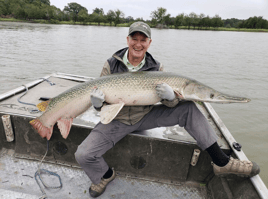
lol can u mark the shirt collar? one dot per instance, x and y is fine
(132, 68)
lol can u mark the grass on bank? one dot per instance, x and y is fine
(127, 25)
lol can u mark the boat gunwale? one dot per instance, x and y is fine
(256, 180)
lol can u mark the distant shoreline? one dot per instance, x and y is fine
(127, 25)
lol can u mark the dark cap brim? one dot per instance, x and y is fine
(146, 34)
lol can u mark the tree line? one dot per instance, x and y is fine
(161, 18)
(41, 9)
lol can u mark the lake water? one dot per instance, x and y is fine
(232, 62)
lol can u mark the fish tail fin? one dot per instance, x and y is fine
(65, 124)
(41, 129)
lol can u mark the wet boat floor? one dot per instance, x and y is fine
(17, 181)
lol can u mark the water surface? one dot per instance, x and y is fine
(231, 62)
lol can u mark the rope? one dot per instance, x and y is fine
(32, 111)
(39, 173)
(51, 83)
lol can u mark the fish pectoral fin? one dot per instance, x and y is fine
(42, 106)
(178, 94)
(109, 112)
(65, 124)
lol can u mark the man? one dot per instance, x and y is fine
(135, 118)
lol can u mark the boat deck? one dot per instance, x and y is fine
(156, 163)
(17, 180)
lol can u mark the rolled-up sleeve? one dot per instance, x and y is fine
(106, 69)
(172, 103)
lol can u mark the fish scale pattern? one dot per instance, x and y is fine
(139, 86)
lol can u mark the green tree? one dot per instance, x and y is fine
(46, 2)
(110, 16)
(265, 24)
(52, 13)
(129, 19)
(3, 8)
(207, 21)
(178, 20)
(251, 22)
(38, 3)
(187, 21)
(216, 21)
(83, 16)
(62, 16)
(255, 22)
(73, 9)
(98, 11)
(194, 20)
(233, 22)
(159, 14)
(139, 19)
(201, 21)
(19, 12)
(118, 16)
(153, 22)
(32, 11)
(7, 6)
(58, 14)
(167, 20)
(98, 18)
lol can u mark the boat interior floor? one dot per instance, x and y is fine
(17, 180)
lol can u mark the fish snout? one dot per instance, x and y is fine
(233, 99)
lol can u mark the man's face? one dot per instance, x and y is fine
(138, 45)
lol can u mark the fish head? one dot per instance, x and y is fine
(196, 91)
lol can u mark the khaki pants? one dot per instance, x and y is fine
(104, 137)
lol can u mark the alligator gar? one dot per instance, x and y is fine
(125, 89)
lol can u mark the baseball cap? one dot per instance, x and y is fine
(140, 27)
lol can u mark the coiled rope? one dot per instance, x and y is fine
(39, 174)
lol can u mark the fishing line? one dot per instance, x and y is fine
(39, 174)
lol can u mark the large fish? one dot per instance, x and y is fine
(129, 89)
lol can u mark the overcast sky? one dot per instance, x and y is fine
(240, 9)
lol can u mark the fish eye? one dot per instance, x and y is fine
(211, 95)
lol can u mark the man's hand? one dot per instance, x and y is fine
(97, 98)
(164, 91)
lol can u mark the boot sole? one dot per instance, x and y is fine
(232, 174)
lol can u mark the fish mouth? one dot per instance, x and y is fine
(230, 99)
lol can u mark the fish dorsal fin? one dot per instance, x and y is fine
(65, 124)
(109, 112)
(42, 106)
